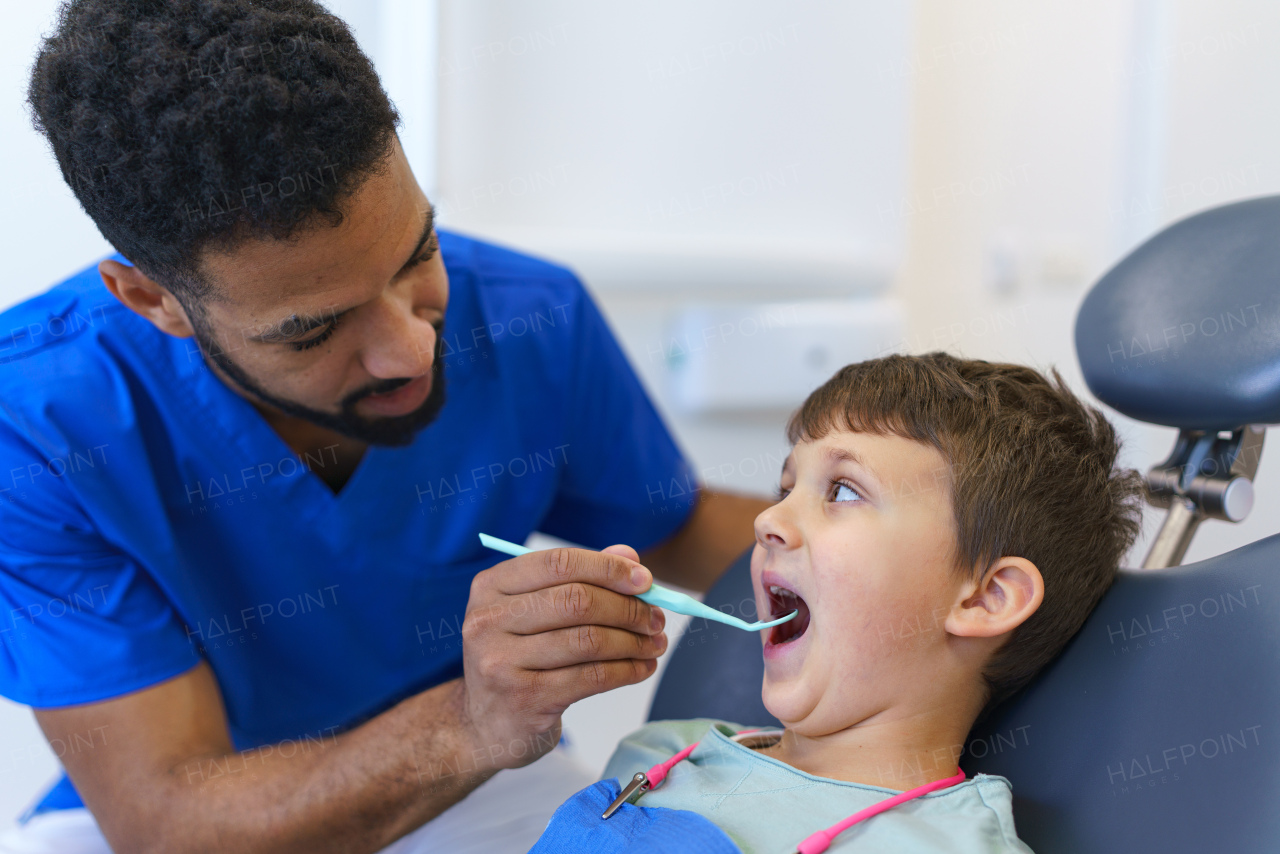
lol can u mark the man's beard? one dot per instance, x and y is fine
(390, 430)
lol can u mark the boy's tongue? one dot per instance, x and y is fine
(782, 602)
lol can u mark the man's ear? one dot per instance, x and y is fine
(142, 295)
(1008, 593)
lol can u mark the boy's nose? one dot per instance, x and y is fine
(774, 528)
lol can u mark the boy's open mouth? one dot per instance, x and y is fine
(782, 602)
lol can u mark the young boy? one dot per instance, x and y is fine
(977, 504)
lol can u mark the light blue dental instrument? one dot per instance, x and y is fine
(658, 595)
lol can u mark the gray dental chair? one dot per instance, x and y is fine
(1158, 729)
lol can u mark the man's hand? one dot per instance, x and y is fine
(545, 630)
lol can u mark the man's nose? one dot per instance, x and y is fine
(401, 343)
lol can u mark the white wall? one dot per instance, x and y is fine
(722, 128)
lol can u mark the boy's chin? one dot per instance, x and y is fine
(786, 701)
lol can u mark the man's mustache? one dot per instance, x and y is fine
(379, 387)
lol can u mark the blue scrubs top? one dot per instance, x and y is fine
(150, 517)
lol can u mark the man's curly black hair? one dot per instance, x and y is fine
(184, 125)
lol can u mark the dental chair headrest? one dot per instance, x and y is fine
(1185, 331)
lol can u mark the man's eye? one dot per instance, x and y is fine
(317, 341)
(844, 492)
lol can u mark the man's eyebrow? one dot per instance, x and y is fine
(844, 455)
(297, 325)
(427, 227)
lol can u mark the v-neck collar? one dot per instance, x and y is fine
(317, 465)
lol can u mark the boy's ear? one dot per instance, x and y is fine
(142, 295)
(1008, 593)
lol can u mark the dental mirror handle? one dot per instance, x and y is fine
(658, 595)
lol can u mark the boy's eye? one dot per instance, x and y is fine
(781, 493)
(844, 492)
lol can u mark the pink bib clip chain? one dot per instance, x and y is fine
(816, 843)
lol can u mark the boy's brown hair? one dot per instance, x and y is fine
(1031, 472)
